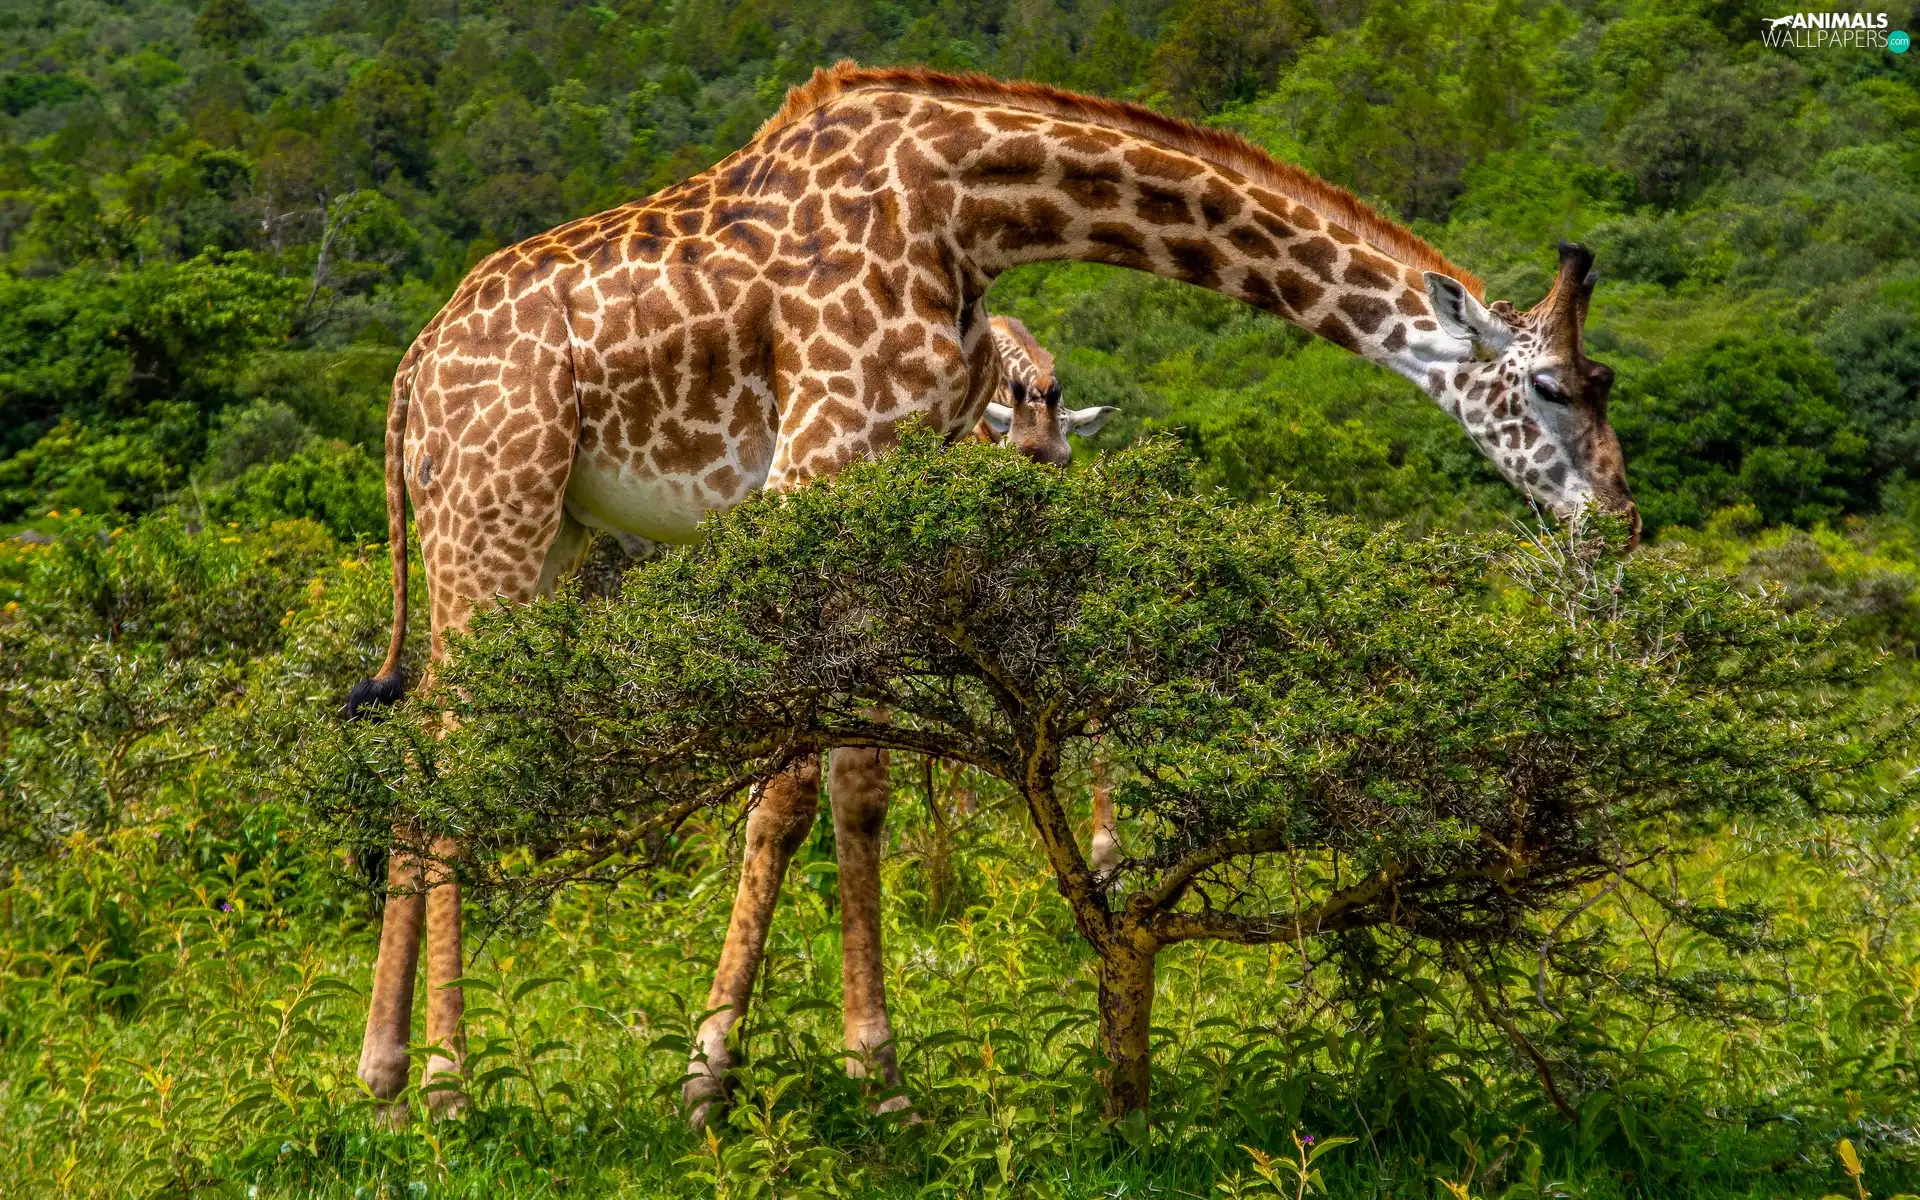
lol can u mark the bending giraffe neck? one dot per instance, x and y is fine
(1025, 174)
(1150, 207)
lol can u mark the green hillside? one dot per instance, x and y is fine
(222, 223)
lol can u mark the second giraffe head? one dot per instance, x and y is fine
(1031, 420)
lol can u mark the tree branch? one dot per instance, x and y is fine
(1175, 882)
(1505, 1023)
(1338, 911)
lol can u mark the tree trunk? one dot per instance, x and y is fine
(1126, 1021)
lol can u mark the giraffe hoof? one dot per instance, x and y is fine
(704, 1096)
(385, 1075)
(894, 1104)
(391, 1116)
(447, 1103)
(445, 1089)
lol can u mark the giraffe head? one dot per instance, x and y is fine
(1528, 394)
(1035, 424)
(1031, 419)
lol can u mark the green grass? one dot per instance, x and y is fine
(183, 1008)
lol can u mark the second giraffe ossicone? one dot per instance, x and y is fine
(783, 313)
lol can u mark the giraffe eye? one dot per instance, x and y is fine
(1019, 390)
(1548, 387)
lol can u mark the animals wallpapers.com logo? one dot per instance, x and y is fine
(1816, 31)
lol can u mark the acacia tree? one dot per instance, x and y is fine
(1324, 729)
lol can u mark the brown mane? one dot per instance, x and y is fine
(1217, 146)
(1042, 358)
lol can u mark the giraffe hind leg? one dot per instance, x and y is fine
(446, 1003)
(489, 519)
(383, 1049)
(446, 1067)
(860, 794)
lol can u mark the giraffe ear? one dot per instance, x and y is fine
(999, 418)
(1087, 421)
(1462, 316)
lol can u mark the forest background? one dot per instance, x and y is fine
(220, 225)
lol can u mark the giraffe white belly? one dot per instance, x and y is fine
(630, 498)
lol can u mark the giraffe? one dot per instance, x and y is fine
(783, 313)
(1033, 412)
(1028, 385)
(1032, 419)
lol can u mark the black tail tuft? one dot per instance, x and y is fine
(370, 862)
(372, 693)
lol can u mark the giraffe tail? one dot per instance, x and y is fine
(390, 684)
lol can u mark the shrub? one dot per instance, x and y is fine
(1875, 350)
(128, 466)
(261, 433)
(1748, 419)
(93, 344)
(1220, 51)
(337, 486)
(1335, 738)
(1707, 120)
(19, 93)
(114, 645)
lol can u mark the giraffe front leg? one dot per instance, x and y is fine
(782, 814)
(446, 1002)
(859, 792)
(383, 1050)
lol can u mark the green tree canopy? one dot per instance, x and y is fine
(1757, 420)
(140, 355)
(126, 653)
(225, 24)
